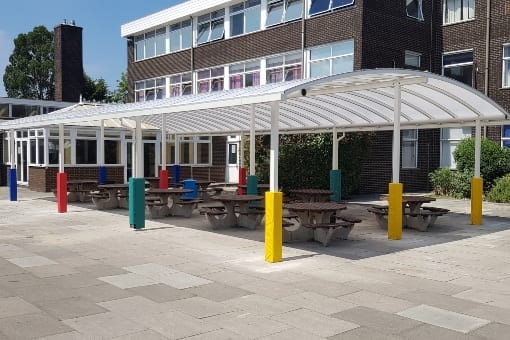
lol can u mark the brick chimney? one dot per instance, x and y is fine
(68, 62)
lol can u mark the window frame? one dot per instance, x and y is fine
(159, 89)
(249, 6)
(413, 141)
(284, 4)
(176, 82)
(451, 142)
(153, 36)
(248, 68)
(505, 139)
(505, 61)
(445, 16)
(419, 16)
(410, 54)
(192, 144)
(211, 79)
(284, 67)
(329, 9)
(470, 63)
(330, 58)
(211, 20)
(180, 31)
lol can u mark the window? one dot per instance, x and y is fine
(180, 85)
(410, 148)
(505, 136)
(321, 6)
(459, 66)
(450, 138)
(332, 59)
(506, 65)
(412, 59)
(210, 80)
(414, 9)
(150, 44)
(150, 89)
(36, 142)
(210, 26)
(245, 75)
(180, 36)
(283, 68)
(245, 17)
(279, 11)
(195, 150)
(4, 110)
(458, 10)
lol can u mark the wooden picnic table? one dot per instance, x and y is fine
(312, 195)
(79, 189)
(171, 202)
(116, 196)
(245, 217)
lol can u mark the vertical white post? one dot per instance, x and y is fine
(478, 147)
(139, 148)
(177, 149)
(101, 144)
(334, 166)
(163, 142)
(396, 135)
(241, 151)
(60, 147)
(273, 158)
(252, 141)
(12, 148)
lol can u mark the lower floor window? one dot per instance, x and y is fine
(86, 151)
(112, 152)
(409, 148)
(505, 136)
(450, 138)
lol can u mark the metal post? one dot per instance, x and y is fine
(396, 135)
(61, 176)
(163, 173)
(395, 188)
(477, 181)
(273, 171)
(252, 141)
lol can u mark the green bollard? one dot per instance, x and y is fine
(252, 183)
(335, 185)
(137, 203)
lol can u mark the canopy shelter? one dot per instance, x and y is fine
(370, 100)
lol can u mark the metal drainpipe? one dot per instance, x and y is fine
(303, 72)
(487, 59)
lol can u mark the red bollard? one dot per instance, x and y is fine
(62, 192)
(242, 181)
(163, 179)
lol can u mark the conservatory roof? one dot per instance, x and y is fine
(357, 101)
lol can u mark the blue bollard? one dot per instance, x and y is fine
(13, 185)
(192, 185)
(176, 172)
(102, 175)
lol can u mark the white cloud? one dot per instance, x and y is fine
(6, 48)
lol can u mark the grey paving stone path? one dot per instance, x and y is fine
(87, 275)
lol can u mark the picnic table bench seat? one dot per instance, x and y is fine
(421, 220)
(324, 232)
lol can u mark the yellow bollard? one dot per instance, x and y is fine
(273, 232)
(476, 200)
(395, 211)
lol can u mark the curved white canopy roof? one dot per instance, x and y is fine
(357, 101)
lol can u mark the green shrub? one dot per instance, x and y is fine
(461, 183)
(441, 180)
(500, 191)
(494, 161)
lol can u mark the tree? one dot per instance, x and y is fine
(94, 89)
(30, 70)
(120, 95)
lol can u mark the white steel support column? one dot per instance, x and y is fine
(60, 147)
(12, 148)
(241, 151)
(252, 141)
(101, 144)
(334, 166)
(478, 147)
(273, 158)
(396, 135)
(138, 148)
(177, 149)
(163, 142)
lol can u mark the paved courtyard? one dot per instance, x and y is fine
(87, 275)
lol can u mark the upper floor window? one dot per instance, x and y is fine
(459, 66)
(245, 17)
(458, 10)
(279, 11)
(506, 65)
(150, 89)
(283, 68)
(414, 9)
(412, 59)
(211, 80)
(150, 44)
(332, 59)
(410, 148)
(211, 26)
(450, 138)
(181, 85)
(320, 6)
(245, 75)
(180, 36)
(505, 135)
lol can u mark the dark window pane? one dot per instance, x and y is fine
(86, 151)
(112, 152)
(458, 58)
(341, 3)
(318, 6)
(237, 24)
(463, 74)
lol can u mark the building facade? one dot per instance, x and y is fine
(204, 46)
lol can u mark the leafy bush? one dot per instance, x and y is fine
(494, 161)
(461, 183)
(441, 180)
(500, 191)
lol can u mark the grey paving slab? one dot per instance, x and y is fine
(387, 323)
(103, 292)
(131, 307)
(129, 280)
(161, 292)
(145, 335)
(30, 326)
(494, 331)
(70, 308)
(218, 292)
(199, 307)
(74, 335)
(248, 325)
(365, 333)
(292, 334)
(182, 280)
(487, 297)
(44, 292)
(325, 288)
(496, 314)
(444, 318)
(10, 269)
(52, 270)
(317, 302)
(377, 301)
(270, 289)
(427, 332)
(31, 261)
(261, 305)
(323, 325)
(220, 334)
(13, 306)
(103, 325)
(453, 303)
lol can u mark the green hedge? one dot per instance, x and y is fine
(500, 191)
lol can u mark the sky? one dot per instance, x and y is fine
(104, 50)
